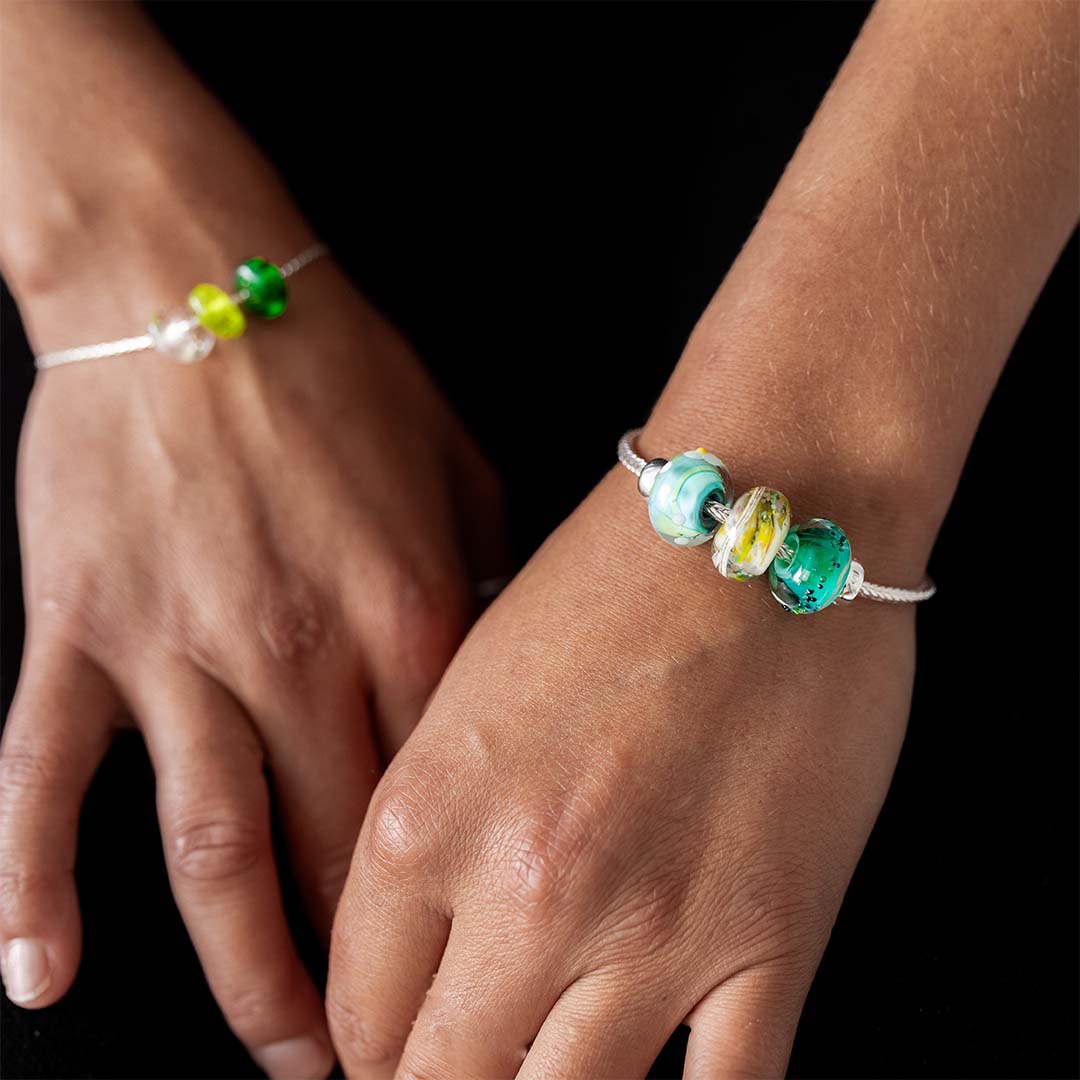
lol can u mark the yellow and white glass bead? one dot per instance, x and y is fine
(754, 531)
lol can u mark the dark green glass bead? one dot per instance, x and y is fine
(818, 567)
(266, 291)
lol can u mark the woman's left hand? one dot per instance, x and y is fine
(636, 799)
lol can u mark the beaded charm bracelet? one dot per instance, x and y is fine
(188, 335)
(809, 565)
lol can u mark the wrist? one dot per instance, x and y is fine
(889, 511)
(791, 382)
(679, 605)
(96, 266)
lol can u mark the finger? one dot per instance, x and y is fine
(306, 691)
(483, 1010)
(57, 732)
(387, 941)
(745, 1027)
(213, 805)
(480, 515)
(410, 633)
(324, 771)
(604, 1025)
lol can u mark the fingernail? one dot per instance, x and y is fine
(26, 970)
(303, 1058)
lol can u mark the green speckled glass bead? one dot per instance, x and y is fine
(217, 311)
(267, 293)
(677, 499)
(745, 545)
(815, 574)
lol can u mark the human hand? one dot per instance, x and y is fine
(636, 798)
(261, 560)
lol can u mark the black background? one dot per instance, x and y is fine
(544, 198)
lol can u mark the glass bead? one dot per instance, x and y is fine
(815, 574)
(748, 541)
(179, 336)
(677, 499)
(217, 311)
(265, 288)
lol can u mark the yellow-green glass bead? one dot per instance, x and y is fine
(814, 572)
(217, 311)
(264, 288)
(749, 539)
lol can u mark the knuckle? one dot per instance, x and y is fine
(22, 888)
(280, 627)
(214, 849)
(399, 835)
(538, 858)
(293, 626)
(255, 1012)
(430, 1049)
(24, 775)
(426, 619)
(273, 627)
(359, 1038)
(79, 602)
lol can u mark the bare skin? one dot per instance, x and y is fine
(206, 548)
(638, 793)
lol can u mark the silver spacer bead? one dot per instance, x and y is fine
(854, 581)
(647, 476)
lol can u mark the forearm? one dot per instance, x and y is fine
(121, 173)
(851, 350)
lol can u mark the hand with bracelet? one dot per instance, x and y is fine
(208, 547)
(639, 792)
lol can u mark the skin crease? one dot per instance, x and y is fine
(623, 812)
(638, 793)
(205, 547)
(168, 571)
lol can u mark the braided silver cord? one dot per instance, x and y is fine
(94, 352)
(308, 255)
(893, 594)
(630, 459)
(143, 342)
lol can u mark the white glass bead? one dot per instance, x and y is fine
(180, 336)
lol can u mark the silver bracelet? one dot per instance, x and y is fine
(189, 335)
(809, 566)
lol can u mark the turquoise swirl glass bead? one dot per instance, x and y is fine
(815, 574)
(677, 499)
(264, 289)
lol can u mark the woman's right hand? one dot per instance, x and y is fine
(263, 562)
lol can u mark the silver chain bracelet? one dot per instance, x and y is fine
(809, 566)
